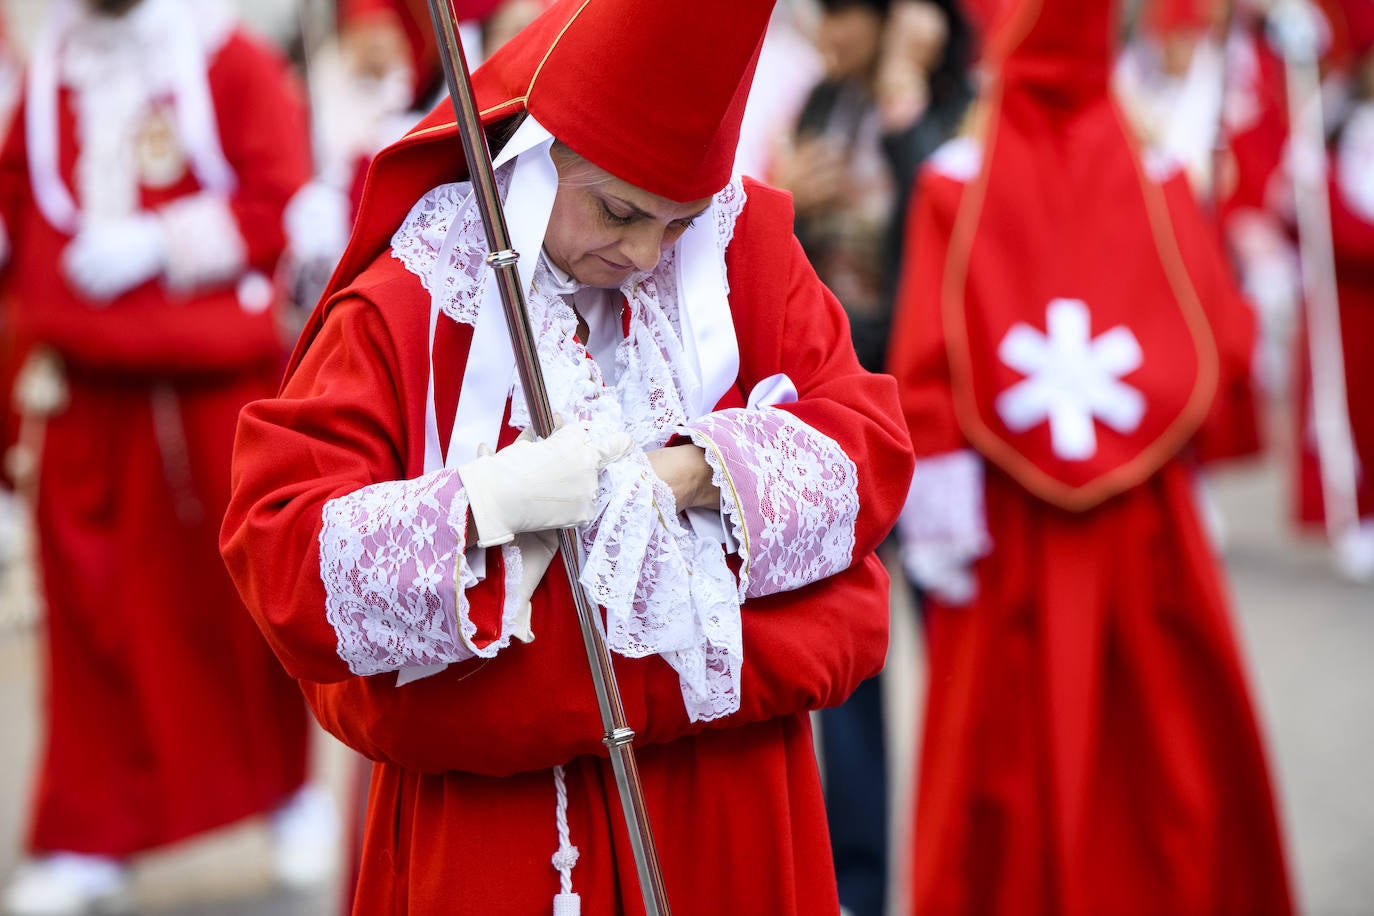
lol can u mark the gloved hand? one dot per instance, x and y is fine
(535, 486)
(110, 257)
(945, 572)
(317, 220)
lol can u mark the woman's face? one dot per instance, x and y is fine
(603, 229)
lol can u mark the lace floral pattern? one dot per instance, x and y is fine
(665, 590)
(420, 241)
(790, 492)
(390, 555)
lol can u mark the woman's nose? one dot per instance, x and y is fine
(645, 246)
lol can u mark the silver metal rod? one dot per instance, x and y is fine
(1294, 25)
(503, 262)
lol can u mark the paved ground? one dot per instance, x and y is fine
(1311, 643)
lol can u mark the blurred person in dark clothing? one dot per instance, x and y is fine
(895, 87)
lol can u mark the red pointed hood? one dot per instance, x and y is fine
(1064, 49)
(651, 92)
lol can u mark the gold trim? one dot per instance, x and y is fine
(958, 350)
(559, 37)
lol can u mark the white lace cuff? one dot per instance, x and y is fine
(945, 505)
(204, 245)
(666, 590)
(790, 492)
(394, 574)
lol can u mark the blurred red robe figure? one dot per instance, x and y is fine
(141, 190)
(1066, 333)
(477, 738)
(1351, 189)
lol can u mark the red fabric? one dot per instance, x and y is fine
(1022, 212)
(167, 714)
(1358, 19)
(1168, 17)
(463, 756)
(1353, 238)
(1049, 48)
(661, 106)
(1089, 746)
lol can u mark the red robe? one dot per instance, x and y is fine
(167, 713)
(461, 818)
(1089, 744)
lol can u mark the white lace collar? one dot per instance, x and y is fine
(657, 388)
(681, 340)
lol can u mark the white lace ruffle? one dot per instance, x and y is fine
(790, 492)
(666, 590)
(420, 239)
(390, 557)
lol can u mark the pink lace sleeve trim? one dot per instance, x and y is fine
(395, 576)
(790, 492)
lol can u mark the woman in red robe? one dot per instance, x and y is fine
(699, 365)
(1066, 334)
(141, 191)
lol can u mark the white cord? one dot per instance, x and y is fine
(565, 903)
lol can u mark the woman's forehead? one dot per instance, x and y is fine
(579, 171)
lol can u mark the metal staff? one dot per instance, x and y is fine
(619, 736)
(1294, 24)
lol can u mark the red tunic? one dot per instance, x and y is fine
(461, 818)
(1089, 743)
(167, 713)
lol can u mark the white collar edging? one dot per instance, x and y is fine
(708, 331)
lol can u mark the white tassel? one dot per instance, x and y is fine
(565, 903)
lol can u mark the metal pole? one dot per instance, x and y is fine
(1294, 25)
(619, 737)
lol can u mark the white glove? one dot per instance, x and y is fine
(537, 550)
(535, 486)
(943, 526)
(110, 257)
(317, 221)
(941, 570)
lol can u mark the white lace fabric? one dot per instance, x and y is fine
(666, 590)
(395, 575)
(790, 492)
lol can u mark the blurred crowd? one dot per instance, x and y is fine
(220, 187)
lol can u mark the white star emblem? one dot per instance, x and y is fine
(1071, 379)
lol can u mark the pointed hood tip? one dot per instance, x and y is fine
(1062, 49)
